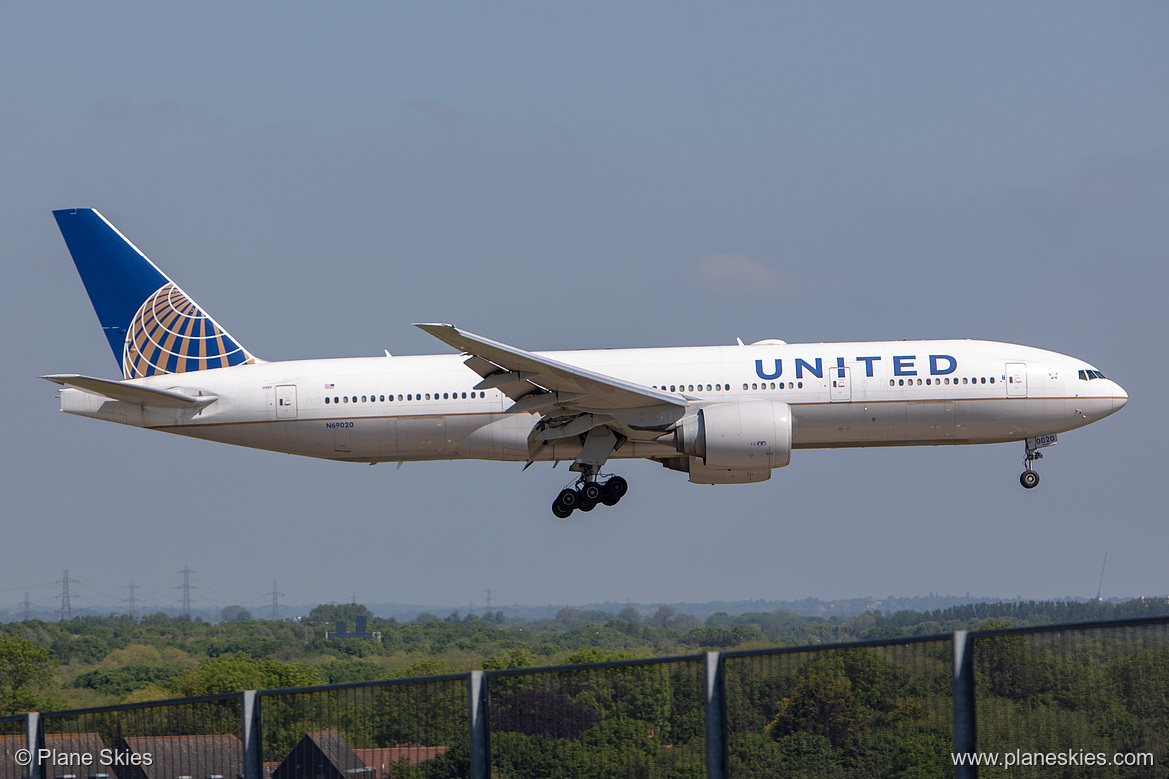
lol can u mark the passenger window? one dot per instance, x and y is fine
(744, 386)
(326, 401)
(801, 385)
(346, 398)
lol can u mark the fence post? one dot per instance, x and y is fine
(716, 717)
(32, 725)
(477, 695)
(962, 696)
(253, 759)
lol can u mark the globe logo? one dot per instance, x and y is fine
(171, 334)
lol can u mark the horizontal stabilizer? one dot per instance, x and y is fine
(130, 393)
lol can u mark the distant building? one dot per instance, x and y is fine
(358, 632)
(323, 755)
(386, 759)
(184, 757)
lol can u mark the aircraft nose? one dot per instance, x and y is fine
(1119, 397)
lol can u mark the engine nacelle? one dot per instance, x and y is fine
(751, 434)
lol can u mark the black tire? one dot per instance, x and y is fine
(614, 490)
(591, 493)
(560, 511)
(1029, 479)
(569, 499)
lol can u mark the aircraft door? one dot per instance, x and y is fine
(1016, 373)
(841, 380)
(286, 401)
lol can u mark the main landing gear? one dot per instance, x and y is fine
(1030, 477)
(587, 493)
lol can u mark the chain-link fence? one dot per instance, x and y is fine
(1094, 697)
(1068, 701)
(196, 737)
(13, 737)
(859, 710)
(635, 718)
(374, 729)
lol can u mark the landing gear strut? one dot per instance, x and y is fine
(1030, 477)
(587, 493)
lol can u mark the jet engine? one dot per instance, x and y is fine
(752, 434)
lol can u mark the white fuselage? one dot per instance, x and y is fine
(375, 409)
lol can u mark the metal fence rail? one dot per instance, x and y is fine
(905, 707)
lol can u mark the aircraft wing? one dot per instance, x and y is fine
(536, 382)
(130, 393)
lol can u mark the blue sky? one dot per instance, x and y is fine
(585, 176)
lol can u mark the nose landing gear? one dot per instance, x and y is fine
(1030, 477)
(587, 493)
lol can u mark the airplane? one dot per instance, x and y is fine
(720, 414)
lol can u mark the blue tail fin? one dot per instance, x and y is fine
(152, 325)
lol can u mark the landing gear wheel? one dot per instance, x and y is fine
(590, 493)
(614, 490)
(560, 511)
(1029, 479)
(568, 500)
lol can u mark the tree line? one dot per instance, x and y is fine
(93, 661)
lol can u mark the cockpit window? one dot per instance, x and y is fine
(1089, 375)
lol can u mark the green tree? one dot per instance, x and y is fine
(822, 704)
(235, 614)
(331, 613)
(512, 658)
(26, 676)
(235, 672)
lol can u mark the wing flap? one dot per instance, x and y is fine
(130, 393)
